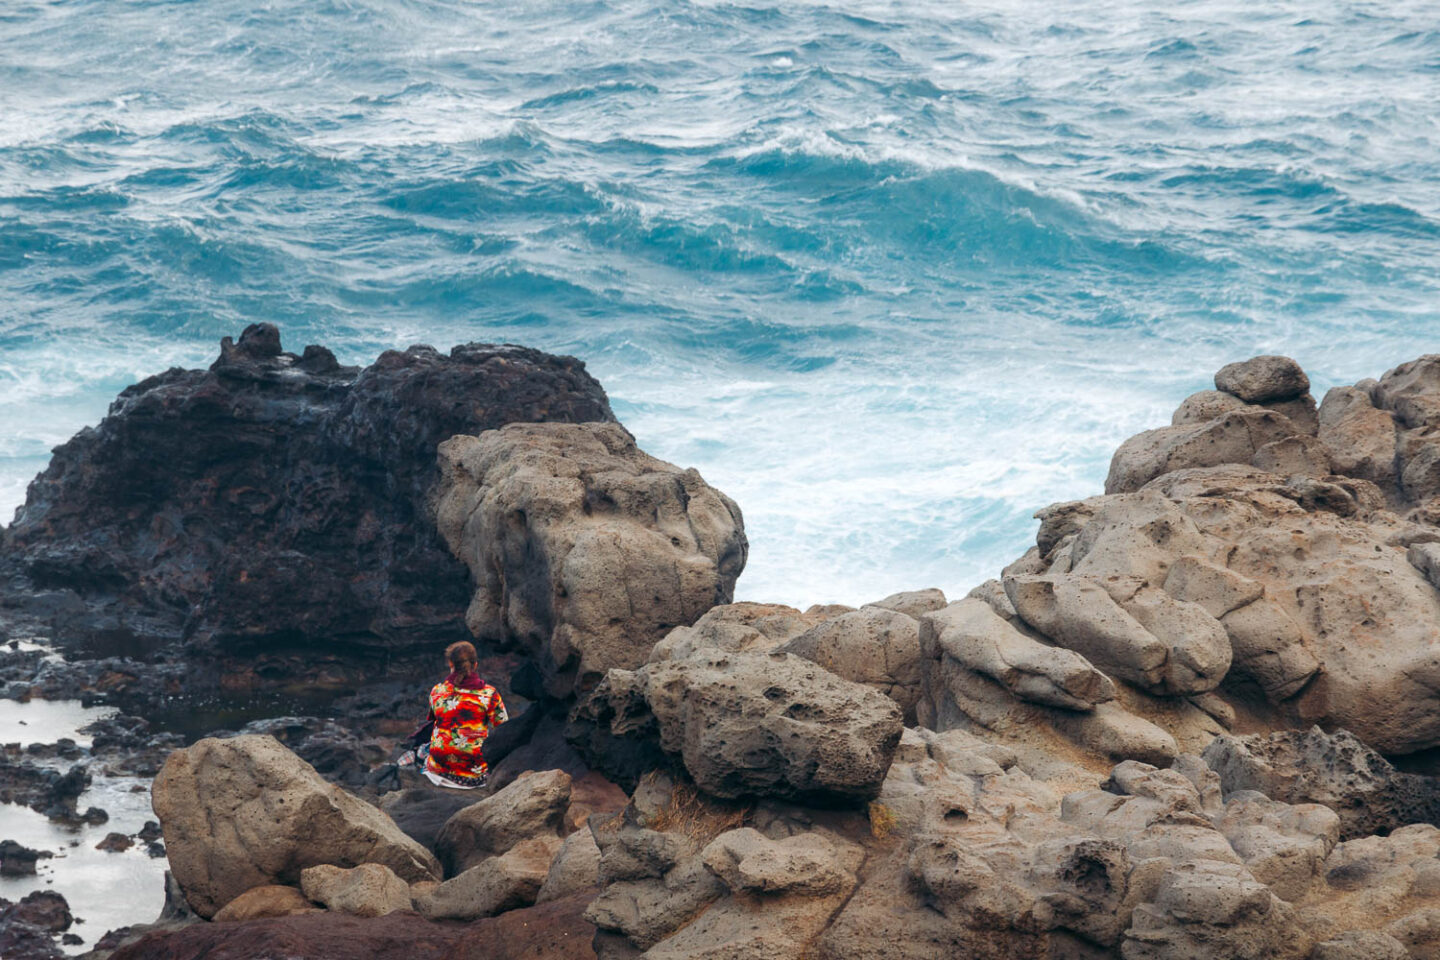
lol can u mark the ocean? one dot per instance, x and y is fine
(892, 275)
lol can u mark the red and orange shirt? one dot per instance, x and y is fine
(464, 717)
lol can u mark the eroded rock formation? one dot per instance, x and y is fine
(1162, 734)
(584, 549)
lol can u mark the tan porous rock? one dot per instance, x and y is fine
(1205, 406)
(246, 812)
(583, 547)
(272, 900)
(495, 884)
(1263, 379)
(772, 725)
(971, 633)
(1232, 438)
(532, 805)
(576, 867)
(740, 628)
(369, 890)
(808, 863)
(914, 603)
(1299, 588)
(875, 646)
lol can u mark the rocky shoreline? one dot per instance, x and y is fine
(1196, 720)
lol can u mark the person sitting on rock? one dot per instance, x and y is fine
(464, 709)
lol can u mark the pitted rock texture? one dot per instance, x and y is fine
(246, 812)
(967, 854)
(770, 725)
(1312, 766)
(368, 890)
(1227, 579)
(584, 550)
(274, 507)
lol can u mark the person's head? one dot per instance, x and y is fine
(461, 657)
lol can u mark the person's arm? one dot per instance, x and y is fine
(422, 732)
(498, 714)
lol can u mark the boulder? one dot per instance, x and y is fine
(740, 628)
(1283, 845)
(495, 884)
(1232, 438)
(1411, 392)
(1359, 437)
(369, 890)
(532, 806)
(1294, 456)
(875, 646)
(584, 550)
(1205, 406)
(245, 812)
(272, 900)
(274, 508)
(1146, 636)
(1293, 595)
(970, 632)
(1263, 379)
(1361, 945)
(772, 725)
(28, 929)
(1211, 910)
(808, 863)
(576, 868)
(18, 860)
(1336, 770)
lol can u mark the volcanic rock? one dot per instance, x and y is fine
(369, 890)
(1337, 770)
(273, 900)
(494, 884)
(17, 860)
(875, 646)
(115, 843)
(246, 812)
(533, 805)
(275, 505)
(754, 724)
(422, 811)
(576, 868)
(584, 549)
(1263, 379)
(553, 930)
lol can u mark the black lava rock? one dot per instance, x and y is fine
(270, 514)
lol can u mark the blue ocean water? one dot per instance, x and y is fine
(893, 275)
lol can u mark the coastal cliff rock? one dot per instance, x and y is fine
(1161, 734)
(584, 550)
(273, 508)
(1228, 575)
(246, 812)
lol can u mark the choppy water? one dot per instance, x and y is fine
(893, 275)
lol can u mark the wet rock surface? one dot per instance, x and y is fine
(30, 929)
(17, 860)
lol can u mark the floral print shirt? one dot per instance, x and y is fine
(463, 719)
